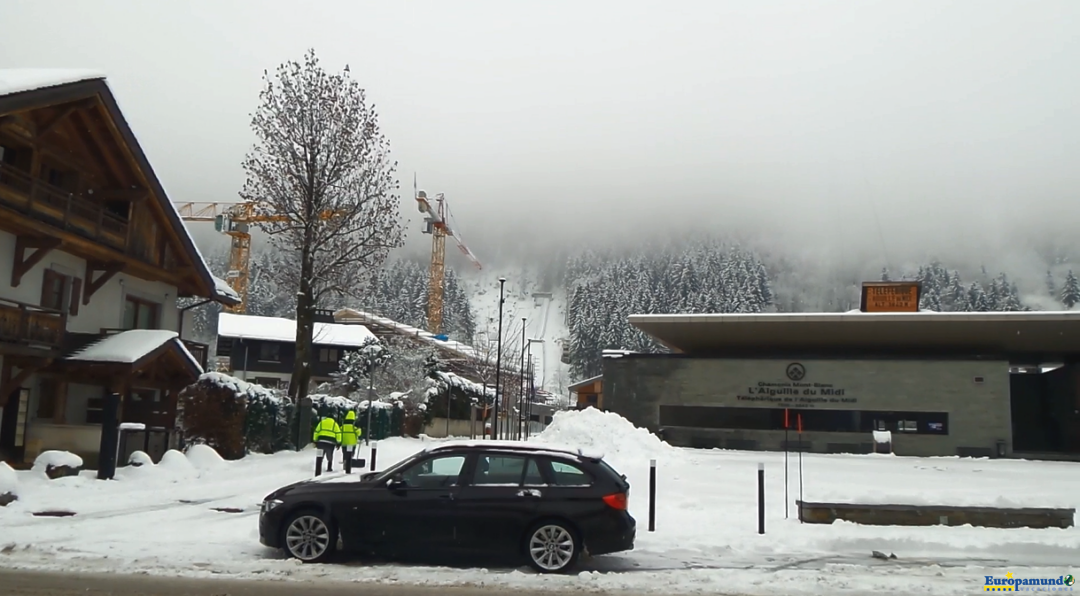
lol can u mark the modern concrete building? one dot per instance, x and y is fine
(974, 384)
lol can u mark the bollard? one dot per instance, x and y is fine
(761, 498)
(652, 495)
(374, 449)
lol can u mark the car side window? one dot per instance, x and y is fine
(437, 472)
(533, 477)
(569, 475)
(501, 470)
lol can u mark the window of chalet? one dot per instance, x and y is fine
(268, 382)
(329, 355)
(269, 352)
(140, 314)
(60, 292)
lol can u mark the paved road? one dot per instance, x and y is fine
(25, 583)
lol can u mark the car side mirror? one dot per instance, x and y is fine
(396, 482)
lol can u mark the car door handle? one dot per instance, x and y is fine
(449, 497)
(529, 492)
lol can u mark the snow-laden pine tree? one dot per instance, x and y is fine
(1070, 290)
(321, 174)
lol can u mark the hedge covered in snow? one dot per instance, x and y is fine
(236, 417)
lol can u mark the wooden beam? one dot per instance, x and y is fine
(64, 112)
(107, 269)
(10, 384)
(22, 263)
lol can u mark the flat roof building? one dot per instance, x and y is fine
(976, 384)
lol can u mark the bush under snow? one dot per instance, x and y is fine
(203, 457)
(603, 433)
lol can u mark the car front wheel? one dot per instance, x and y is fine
(310, 537)
(552, 547)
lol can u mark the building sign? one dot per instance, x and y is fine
(886, 296)
(796, 392)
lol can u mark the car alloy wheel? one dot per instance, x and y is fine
(308, 538)
(552, 548)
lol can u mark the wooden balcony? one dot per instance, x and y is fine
(60, 208)
(200, 351)
(31, 325)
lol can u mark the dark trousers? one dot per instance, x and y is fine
(324, 449)
(347, 453)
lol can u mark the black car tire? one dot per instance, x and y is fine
(309, 536)
(552, 546)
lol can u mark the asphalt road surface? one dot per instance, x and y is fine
(26, 583)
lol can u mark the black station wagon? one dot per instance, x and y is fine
(544, 505)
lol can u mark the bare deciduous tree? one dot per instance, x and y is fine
(321, 178)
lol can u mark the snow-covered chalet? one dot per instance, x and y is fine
(93, 257)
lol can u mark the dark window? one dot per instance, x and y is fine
(499, 469)
(328, 355)
(54, 287)
(224, 346)
(140, 314)
(813, 420)
(270, 352)
(569, 474)
(437, 472)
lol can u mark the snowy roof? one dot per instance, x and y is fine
(585, 382)
(128, 347)
(18, 80)
(1016, 333)
(284, 330)
(349, 314)
(222, 289)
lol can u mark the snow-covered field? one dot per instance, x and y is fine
(162, 520)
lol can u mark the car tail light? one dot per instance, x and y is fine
(617, 501)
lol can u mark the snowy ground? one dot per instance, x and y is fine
(161, 520)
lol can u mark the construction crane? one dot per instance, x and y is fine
(234, 220)
(436, 225)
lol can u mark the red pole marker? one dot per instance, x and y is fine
(800, 422)
(787, 424)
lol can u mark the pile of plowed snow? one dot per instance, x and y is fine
(604, 433)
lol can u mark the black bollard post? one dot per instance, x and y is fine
(761, 498)
(109, 445)
(318, 463)
(374, 450)
(652, 495)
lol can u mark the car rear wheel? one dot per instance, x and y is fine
(552, 547)
(310, 537)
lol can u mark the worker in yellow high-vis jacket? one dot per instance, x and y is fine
(350, 436)
(327, 437)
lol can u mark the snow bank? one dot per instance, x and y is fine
(9, 480)
(606, 433)
(176, 463)
(203, 457)
(140, 458)
(56, 459)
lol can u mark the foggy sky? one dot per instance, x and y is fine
(876, 131)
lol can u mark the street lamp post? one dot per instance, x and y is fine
(531, 388)
(498, 363)
(521, 380)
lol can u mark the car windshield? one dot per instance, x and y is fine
(394, 469)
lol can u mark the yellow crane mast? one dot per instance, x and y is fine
(437, 226)
(234, 220)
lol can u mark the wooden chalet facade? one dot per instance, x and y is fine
(90, 247)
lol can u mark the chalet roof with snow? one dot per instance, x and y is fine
(1047, 335)
(353, 316)
(137, 357)
(284, 330)
(25, 97)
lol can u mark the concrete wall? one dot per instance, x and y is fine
(979, 413)
(106, 308)
(458, 428)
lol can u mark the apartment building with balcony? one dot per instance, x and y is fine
(93, 258)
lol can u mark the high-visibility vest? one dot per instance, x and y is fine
(328, 430)
(350, 435)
